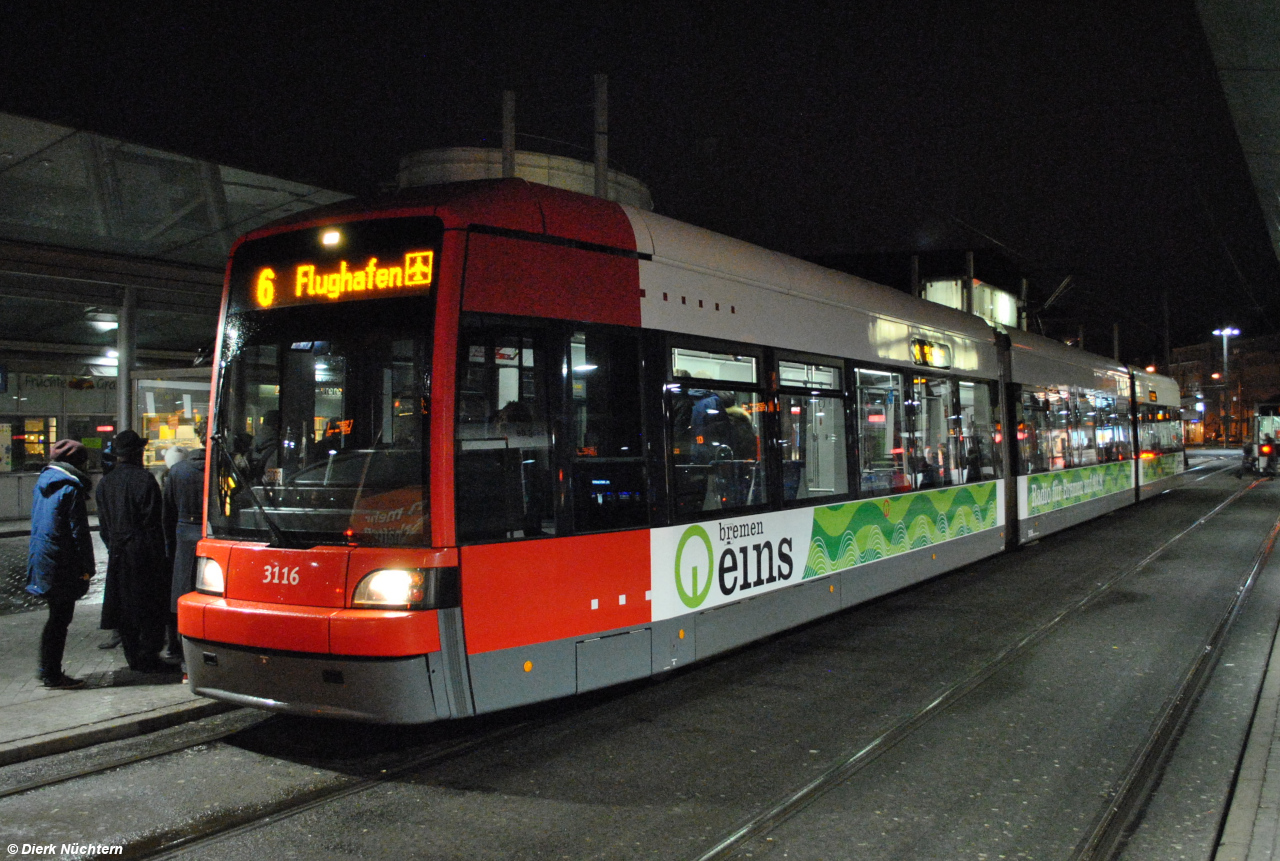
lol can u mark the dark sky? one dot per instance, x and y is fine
(1088, 140)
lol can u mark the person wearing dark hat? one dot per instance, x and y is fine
(130, 514)
(60, 555)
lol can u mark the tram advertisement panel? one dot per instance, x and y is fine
(1160, 466)
(703, 565)
(1048, 491)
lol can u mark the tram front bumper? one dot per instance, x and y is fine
(376, 690)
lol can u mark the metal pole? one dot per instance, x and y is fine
(1226, 392)
(126, 343)
(966, 299)
(602, 136)
(1022, 306)
(508, 134)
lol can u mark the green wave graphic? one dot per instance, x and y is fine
(855, 533)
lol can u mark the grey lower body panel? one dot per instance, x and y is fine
(1033, 528)
(512, 677)
(866, 582)
(379, 690)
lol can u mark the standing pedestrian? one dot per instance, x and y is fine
(60, 555)
(113, 636)
(183, 512)
(130, 513)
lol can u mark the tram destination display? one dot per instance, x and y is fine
(336, 263)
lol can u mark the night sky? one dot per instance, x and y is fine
(1088, 140)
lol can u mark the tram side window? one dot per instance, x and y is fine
(1116, 437)
(1159, 430)
(933, 452)
(813, 444)
(980, 433)
(608, 474)
(1084, 427)
(880, 428)
(1046, 444)
(1111, 418)
(503, 471)
(715, 408)
(1035, 432)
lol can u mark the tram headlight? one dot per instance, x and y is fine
(407, 589)
(209, 577)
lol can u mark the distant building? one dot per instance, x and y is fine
(1218, 412)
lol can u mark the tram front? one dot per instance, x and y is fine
(317, 590)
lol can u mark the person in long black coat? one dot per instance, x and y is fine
(183, 513)
(60, 554)
(130, 514)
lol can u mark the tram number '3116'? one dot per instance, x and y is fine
(276, 574)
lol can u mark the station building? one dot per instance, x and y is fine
(111, 265)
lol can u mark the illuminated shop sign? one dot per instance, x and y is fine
(930, 354)
(309, 283)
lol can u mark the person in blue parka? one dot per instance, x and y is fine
(60, 555)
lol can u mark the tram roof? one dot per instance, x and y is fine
(519, 205)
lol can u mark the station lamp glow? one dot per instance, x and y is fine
(1226, 333)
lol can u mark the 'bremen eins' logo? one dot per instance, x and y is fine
(697, 570)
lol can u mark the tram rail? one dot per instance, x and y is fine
(113, 762)
(1129, 794)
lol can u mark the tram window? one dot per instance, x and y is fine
(700, 364)
(813, 443)
(715, 458)
(503, 473)
(932, 434)
(1159, 430)
(1047, 443)
(1084, 427)
(607, 459)
(326, 435)
(1118, 442)
(980, 435)
(808, 376)
(881, 456)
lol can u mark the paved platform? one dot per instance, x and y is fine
(1252, 828)
(115, 703)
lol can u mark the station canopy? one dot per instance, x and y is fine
(84, 216)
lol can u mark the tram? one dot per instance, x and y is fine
(499, 443)
(1260, 454)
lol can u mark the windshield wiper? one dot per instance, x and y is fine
(277, 534)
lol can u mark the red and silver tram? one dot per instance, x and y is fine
(500, 443)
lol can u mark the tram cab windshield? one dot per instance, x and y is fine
(322, 401)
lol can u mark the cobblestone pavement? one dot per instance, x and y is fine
(13, 576)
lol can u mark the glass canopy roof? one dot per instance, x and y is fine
(73, 189)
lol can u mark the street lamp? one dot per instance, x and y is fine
(1226, 333)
